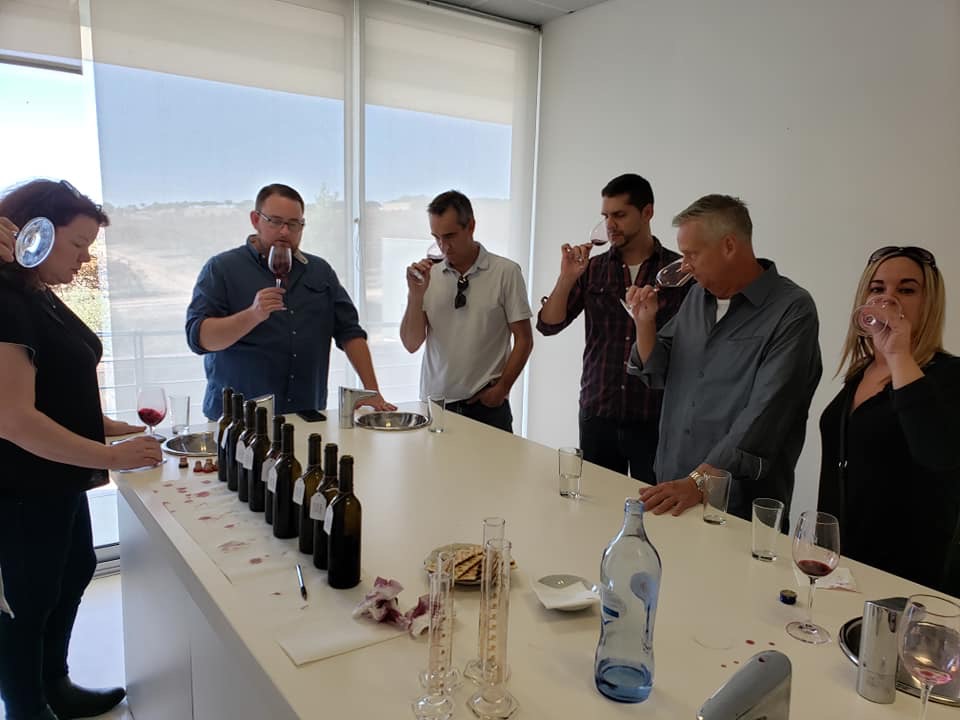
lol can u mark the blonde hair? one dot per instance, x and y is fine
(927, 340)
(722, 214)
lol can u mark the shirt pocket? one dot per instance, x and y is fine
(313, 308)
(598, 298)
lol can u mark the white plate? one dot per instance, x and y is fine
(564, 592)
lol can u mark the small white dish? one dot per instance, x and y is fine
(565, 592)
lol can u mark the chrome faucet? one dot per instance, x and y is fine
(349, 397)
(759, 691)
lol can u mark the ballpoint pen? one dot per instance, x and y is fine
(303, 588)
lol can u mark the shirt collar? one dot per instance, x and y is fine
(301, 258)
(654, 255)
(758, 291)
(481, 263)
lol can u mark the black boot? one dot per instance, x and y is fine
(70, 701)
(45, 714)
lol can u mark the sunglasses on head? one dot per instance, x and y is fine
(917, 254)
(460, 300)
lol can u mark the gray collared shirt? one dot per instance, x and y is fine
(737, 391)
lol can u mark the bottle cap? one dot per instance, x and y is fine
(788, 597)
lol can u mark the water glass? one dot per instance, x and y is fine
(179, 406)
(436, 404)
(716, 494)
(571, 468)
(767, 514)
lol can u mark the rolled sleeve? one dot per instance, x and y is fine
(346, 321)
(574, 308)
(653, 372)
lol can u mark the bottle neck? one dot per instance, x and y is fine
(277, 432)
(261, 421)
(345, 479)
(330, 462)
(314, 450)
(249, 414)
(286, 440)
(227, 405)
(237, 407)
(633, 519)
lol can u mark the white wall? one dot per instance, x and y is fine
(838, 121)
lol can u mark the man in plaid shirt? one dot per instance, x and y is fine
(619, 415)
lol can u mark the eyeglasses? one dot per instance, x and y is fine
(918, 254)
(460, 300)
(293, 226)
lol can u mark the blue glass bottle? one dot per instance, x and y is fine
(629, 585)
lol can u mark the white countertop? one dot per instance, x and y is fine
(420, 490)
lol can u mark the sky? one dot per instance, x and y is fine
(154, 137)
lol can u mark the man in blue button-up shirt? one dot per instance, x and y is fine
(258, 338)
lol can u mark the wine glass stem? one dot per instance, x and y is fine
(279, 282)
(924, 699)
(813, 586)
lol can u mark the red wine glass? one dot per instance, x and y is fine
(929, 643)
(280, 262)
(152, 408)
(599, 235)
(816, 551)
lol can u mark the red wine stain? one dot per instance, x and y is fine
(736, 662)
(181, 490)
(278, 593)
(205, 493)
(230, 525)
(166, 503)
(750, 642)
(187, 501)
(206, 517)
(772, 644)
(168, 484)
(256, 561)
(155, 492)
(231, 546)
(206, 482)
(723, 665)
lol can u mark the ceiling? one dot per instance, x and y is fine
(534, 12)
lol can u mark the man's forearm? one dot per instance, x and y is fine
(646, 340)
(554, 310)
(358, 353)
(522, 347)
(413, 326)
(220, 333)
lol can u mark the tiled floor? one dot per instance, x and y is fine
(96, 650)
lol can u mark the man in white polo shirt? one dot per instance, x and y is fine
(467, 308)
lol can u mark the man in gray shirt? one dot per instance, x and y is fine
(467, 308)
(738, 363)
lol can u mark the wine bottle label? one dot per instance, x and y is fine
(328, 520)
(272, 479)
(268, 463)
(318, 507)
(247, 460)
(299, 488)
(223, 440)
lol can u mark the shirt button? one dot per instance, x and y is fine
(291, 377)
(627, 338)
(686, 432)
(294, 354)
(295, 332)
(623, 387)
(699, 374)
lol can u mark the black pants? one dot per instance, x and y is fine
(620, 446)
(47, 560)
(498, 417)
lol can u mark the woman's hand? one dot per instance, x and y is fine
(137, 452)
(8, 240)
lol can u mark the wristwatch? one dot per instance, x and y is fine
(699, 478)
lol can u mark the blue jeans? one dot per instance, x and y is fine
(47, 560)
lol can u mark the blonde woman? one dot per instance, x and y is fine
(891, 437)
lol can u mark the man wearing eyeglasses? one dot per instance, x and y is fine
(467, 307)
(258, 337)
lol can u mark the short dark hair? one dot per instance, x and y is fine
(452, 199)
(280, 189)
(60, 202)
(637, 187)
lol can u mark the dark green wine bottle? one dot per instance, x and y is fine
(304, 490)
(269, 479)
(226, 417)
(287, 470)
(243, 480)
(343, 521)
(233, 436)
(326, 492)
(257, 452)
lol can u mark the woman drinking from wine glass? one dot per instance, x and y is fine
(891, 437)
(52, 451)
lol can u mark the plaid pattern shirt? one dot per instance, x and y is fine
(606, 390)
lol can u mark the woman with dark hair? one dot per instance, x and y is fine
(891, 437)
(52, 450)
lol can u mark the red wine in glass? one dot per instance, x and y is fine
(816, 551)
(599, 236)
(152, 408)
(280, 262)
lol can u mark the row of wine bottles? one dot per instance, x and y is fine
(316, 506)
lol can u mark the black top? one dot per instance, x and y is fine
(65, 353)
(890, 474)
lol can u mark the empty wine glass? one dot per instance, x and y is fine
(280, 262)
(874, 316)
(34, 242)
(152, 409)
(669, 276)
(599, 235)
(929, 643)
(816, 551)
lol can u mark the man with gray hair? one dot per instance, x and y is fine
(739, 364)
(467, 309)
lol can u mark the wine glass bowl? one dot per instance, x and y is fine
(599, 235)
(434, 253)
(816, 552)
(928, 642)
(34, 241)
(152, 409)
(673, 275)
(874, 316)
(280, 262)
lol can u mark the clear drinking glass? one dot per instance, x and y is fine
(874, 316)
(493, 528)
(716, 495)
(929, 643)
(570, 460)
(493, 700)
(280, 262)
(816, 551)
(179, 413)
(436, 406)
(767, 514)
(437, 704)
(152, 409)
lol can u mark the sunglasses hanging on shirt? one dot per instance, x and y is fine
(460, 300)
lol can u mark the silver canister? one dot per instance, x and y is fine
(877, 671)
